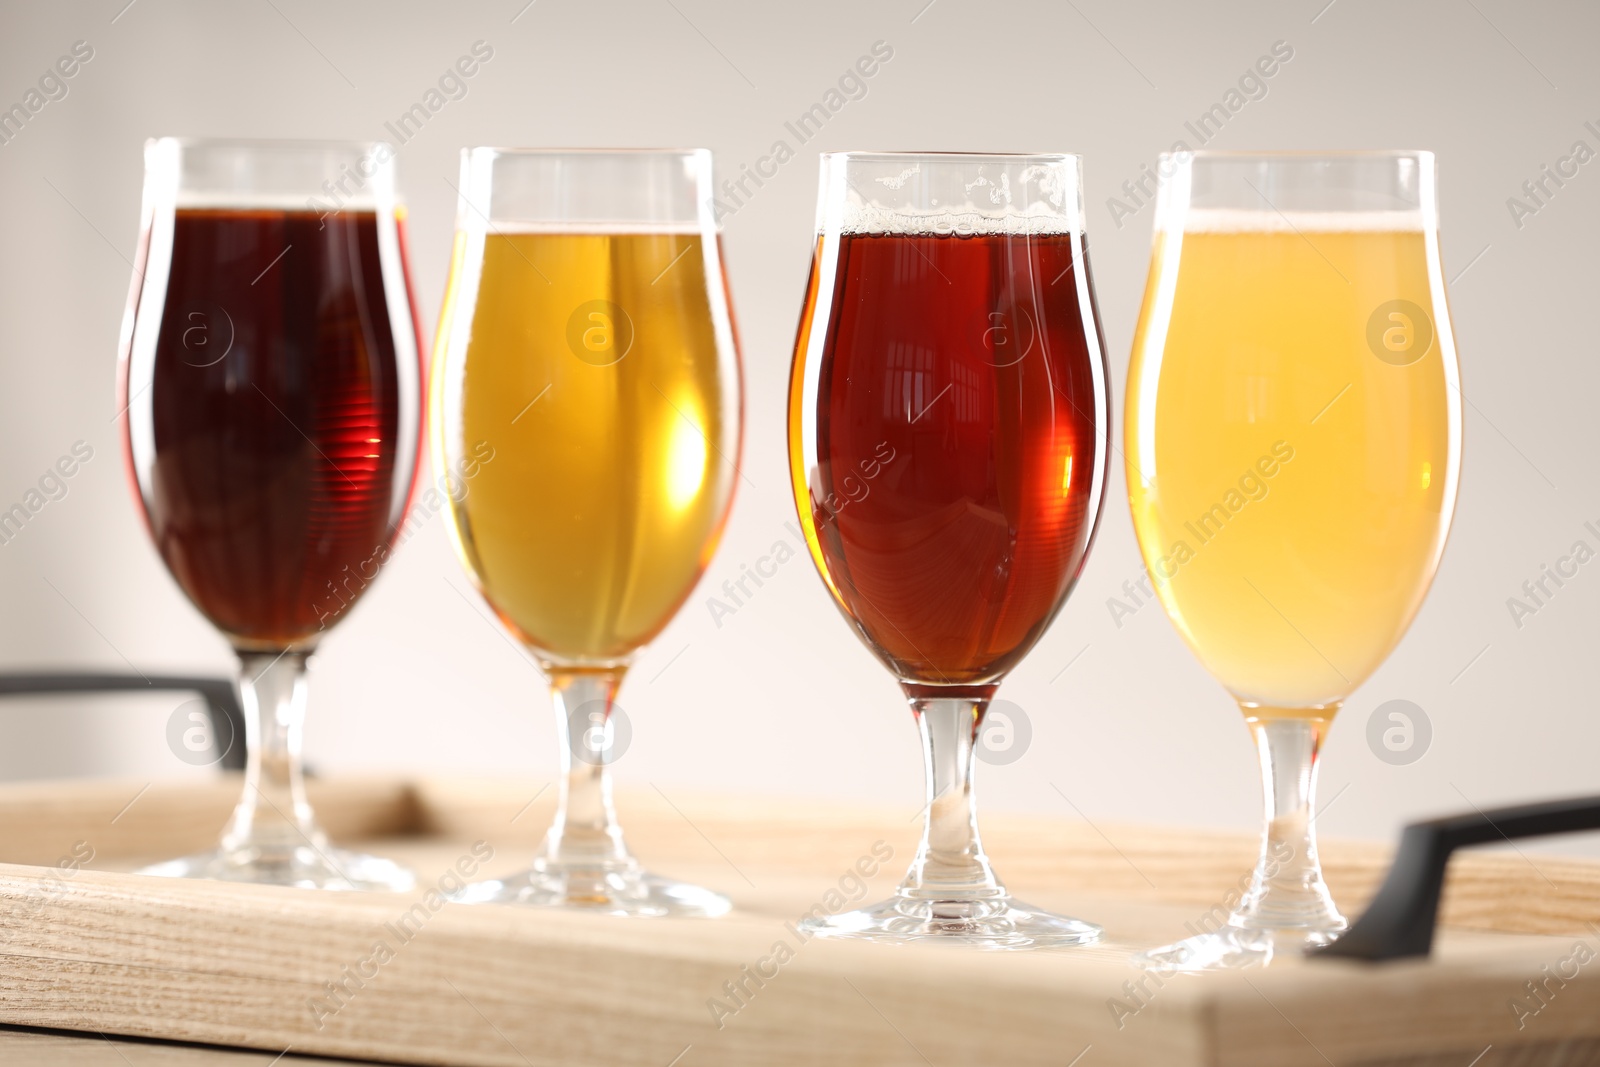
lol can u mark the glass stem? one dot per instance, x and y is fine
(585, 834)
(1287, 891)
(950, 863)
(272, 818)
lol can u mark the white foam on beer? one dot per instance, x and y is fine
(1250, 220)
(867, 219)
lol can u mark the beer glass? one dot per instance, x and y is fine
(270, 390)
(1293, 444)
(948, 420)
(587, 341)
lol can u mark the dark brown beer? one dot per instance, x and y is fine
(277, 462)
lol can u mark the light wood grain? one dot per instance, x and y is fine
(239, 965)
(41, 822)
(29, 1048)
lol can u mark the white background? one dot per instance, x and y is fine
(781, 698)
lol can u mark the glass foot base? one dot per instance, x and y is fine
(1232, 948)
(631, 892)
(1001, 923)
(304, 867)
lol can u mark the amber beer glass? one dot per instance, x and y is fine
(948, 421)
(1293, 446)
(587, 339)
(270, 389)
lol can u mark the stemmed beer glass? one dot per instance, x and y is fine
(270, 389)
(587, 345)
(1293, 445)
(948, 424)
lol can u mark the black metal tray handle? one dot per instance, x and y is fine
(222, 699)
(1399, 921)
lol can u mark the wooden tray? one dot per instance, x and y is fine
(88, 948)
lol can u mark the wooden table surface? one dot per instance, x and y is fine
(98, 950)
(29, 1048)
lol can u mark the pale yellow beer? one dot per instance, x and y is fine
(1288, 442)
(602, 374)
